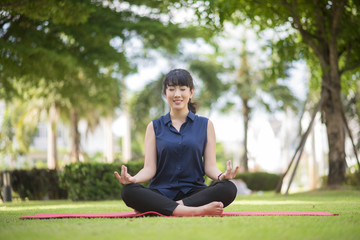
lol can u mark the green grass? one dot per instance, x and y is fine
(344, 202)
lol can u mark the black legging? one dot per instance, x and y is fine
(144, 199)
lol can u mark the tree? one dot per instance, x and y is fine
(24, 52)
(256, 85)
(7, 139)
(70, 51)
(51, 40)
(327, 31)
(19, 126)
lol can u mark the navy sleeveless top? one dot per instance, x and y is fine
(180, 165)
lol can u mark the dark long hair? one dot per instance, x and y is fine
(180, 77)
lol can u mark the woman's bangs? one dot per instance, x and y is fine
(177, 81)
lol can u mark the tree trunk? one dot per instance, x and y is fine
(312, 164)
(246, 115)
(75, 136)
(52, 138)
(327, 52)
(332, 108)
(299, 149)
(126, 142)
(332, 112)
(109, 149)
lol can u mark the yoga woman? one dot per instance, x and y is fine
(179, 151)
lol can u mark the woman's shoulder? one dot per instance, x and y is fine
(163, 119)
(160, 122)
(150, 125)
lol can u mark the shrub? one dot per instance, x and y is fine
(259, 181)
(94, 181)
(353, 179)
(37, 184)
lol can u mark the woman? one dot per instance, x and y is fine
(179, 150)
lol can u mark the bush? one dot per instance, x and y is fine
(353, 179)
(259, 181)
(94, 181)
(36, 184)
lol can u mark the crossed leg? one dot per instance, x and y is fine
(209, 201)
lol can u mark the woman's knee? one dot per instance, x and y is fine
(230, 187)
(128, 191)
(228, 191)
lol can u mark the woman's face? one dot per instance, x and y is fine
(178, 97)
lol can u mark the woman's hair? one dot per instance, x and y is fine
(180, 77)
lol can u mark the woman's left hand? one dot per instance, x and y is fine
(229, 173)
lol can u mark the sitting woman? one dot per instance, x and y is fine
(179, 151)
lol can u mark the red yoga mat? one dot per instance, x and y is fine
(133, 214)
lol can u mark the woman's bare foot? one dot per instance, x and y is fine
(213, 208)
(210, 209)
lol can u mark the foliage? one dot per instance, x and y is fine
(326, 33)
(222, 156)
(7, 137)
(245, 76)
(36, 184)
(18, 128)
(353, 179)
(94, 181)
(147, 105)
(96, 157)
(72, 54)
(259, 181)
(59, 11)
(254, 77)
(208, 70)
(51, 45)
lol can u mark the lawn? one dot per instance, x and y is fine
(344, 202)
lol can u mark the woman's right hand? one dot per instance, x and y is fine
(125, 177)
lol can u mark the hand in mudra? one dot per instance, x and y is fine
(124, 177)
(230, 173)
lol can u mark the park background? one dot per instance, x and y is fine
(81, 79)
(80, 86)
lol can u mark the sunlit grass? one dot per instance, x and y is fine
(264, 202)
(60, 206)
(344, 226)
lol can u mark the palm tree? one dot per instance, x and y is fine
(251, 85)
(19, 127)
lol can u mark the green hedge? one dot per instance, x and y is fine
(36, 184)
(94, 181)
(351, 179)
(259, 181)
(78, 181)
